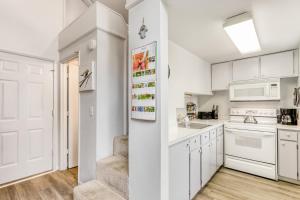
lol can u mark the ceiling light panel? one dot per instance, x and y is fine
(241, 31)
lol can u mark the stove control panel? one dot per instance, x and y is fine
(253, 112)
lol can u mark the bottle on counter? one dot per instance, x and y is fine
(213, 112)
(216, 112)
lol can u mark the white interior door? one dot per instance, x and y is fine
(73, 118)
(26, 104)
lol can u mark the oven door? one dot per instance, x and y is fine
(252, 145)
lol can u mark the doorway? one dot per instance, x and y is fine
(72, 111)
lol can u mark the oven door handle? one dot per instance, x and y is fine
(249, 133)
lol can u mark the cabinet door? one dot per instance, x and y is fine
(205, 164)
(195, 172)
(246, 69)
(221, 76)
(179, 171)
(278, 65)
(213, 156)
(220, 150)
(298, 157)
(288, 159)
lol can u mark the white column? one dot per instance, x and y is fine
(148, 141)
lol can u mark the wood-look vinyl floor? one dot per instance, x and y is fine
(54, 186)
(231, 185)
(226, 185)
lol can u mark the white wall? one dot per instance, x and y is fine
(112, 101)
(31, 27)
(73, 9)
(88, 100)
(222, 99)
(101, 110)
(190, 74)
(148, 141)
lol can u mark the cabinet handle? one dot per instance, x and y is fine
(283, 144)
(288, 135)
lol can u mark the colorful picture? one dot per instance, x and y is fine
(144, 83)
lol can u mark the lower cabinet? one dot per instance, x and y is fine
(288, 155)
(220, 147)
(205, 164)
(192, 163)
(213, 155)
(288, 166)
(195, 172)
(179, 158)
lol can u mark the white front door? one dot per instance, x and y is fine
(26, 104)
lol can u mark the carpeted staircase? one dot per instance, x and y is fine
(112, 176)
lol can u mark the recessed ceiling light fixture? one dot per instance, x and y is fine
(242, 32)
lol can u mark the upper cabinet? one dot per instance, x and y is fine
(279, 65)
(246, 69)
(221, 76)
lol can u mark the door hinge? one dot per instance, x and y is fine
(52, 113)
(68, 113)
(297, 146)
(297, 174)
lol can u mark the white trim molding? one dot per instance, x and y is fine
(131, 3)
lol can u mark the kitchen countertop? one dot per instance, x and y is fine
(288, 127)
(182, 134)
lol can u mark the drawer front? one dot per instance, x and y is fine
(195, 143)
(220, 130)
(287, 135)
(205, 138)
(213, 134)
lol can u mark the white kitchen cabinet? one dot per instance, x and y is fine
(298, 159)
(195, 172)
(246, 69)
(220, 147)
(279, 65)
(179, 155)
(205, 164)
(221, 76)
(213, 156)
(288, 166)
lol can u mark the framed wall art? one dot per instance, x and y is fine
(143, 95)
(87, 77)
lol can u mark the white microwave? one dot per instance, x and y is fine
(265, 91)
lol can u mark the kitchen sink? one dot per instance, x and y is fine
(193, 125)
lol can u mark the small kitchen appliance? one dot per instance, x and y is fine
(209, 115)
(251, 141)
(204, 115)
(288, 116)
(265, 90)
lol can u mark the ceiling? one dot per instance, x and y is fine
(197, 25)
(117, 5)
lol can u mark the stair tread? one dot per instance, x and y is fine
(113, 171)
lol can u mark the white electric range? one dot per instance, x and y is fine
(251, 141)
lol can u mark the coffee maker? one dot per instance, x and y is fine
(288, 116)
